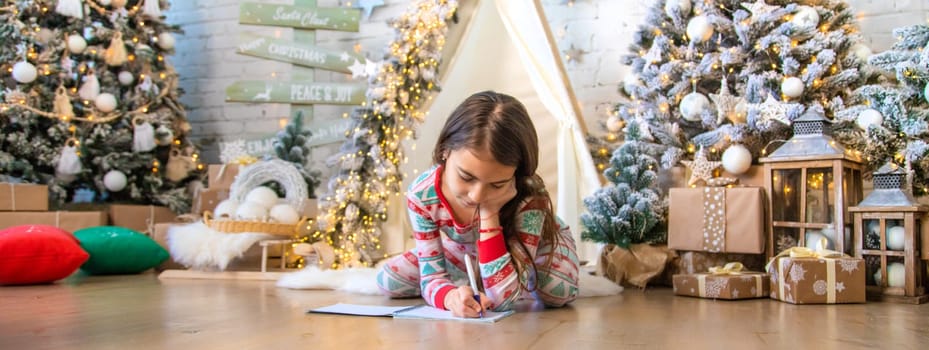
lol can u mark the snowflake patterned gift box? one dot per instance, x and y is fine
(717, 219)
(801, 275)
(726, 282)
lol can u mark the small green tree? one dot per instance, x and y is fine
(630, 210)
(290, 145)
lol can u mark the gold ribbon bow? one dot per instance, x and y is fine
(733, 268)
(820, 252)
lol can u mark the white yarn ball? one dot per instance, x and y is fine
(76, 43)
(869, 117)
(792, 87)
(737, 159)
(125, 78)
(226, 209)
(115, 181)
(693, 105)
(681, 7)
(896, 238)
(166, 41)
(699, 29)
(263, 196)
(813, 238)
(284, 214)
(805, 17)
(251, 211)
(24, 72)
(896, 273)
(105, 102)
(614, 124)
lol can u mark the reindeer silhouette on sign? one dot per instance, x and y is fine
(263, 96)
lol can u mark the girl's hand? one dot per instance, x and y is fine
(461, 303)
(492, 206)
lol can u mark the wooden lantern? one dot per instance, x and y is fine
(888, 225)
(811, 180)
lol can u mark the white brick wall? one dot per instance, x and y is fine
(207, 62)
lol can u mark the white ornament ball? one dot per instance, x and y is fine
(105, 2)
(896, 237)
(805, 17)
(118, 3)
(741, 113)
(926, 92)
(869, 117)
(284, 214)
(226, 209)
(166, 41)
(896, 275)
(262, 196)
(251, 211)
(125, 78)
(24, 72)
(737, 159)
(105, 102)
(792, 87)
(861, 51)
(699, 29)
(115, 181)
(681, 7)
(76, 43)
(693, 105)
(614, 124)
(813, 240)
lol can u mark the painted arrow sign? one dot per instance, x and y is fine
(304, 17)
(296, 92)
(299, 54)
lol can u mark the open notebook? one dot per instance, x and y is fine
(422, 312)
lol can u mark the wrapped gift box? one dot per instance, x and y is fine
(207, 199)
(141, 218)
(221, 176)
(717, 219)
(66, 220)
(810, 280)
(688, 263)
(746, 285)
(23, 197)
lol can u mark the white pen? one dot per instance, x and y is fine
(473, 280)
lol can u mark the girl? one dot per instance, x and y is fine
(482, 197)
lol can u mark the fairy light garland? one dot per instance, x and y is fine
(356, 205)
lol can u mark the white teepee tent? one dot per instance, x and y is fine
(506, 46)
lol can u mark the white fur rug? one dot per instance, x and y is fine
(362, 281)
(201, 248)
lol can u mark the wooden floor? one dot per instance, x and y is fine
(143, 312)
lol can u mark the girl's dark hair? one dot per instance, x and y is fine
(499, 123)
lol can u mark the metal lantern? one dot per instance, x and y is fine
(888, 225)
(811, 180)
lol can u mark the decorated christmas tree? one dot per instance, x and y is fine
(731, 75)
(890, 121)
(290, 144)
(630, 210)
(90, 104)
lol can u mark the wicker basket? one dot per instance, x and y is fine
(255, 175)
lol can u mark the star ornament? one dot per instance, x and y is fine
(574, 54)
(772, 110)
(367, 6)
(357, 69)
(725, 102)
(701, 169)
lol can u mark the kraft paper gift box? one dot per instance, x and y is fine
(208, 199)
(141, 218)
(221, 176)
(23, 197)
(688, 263)
(727, 282)
(717, 219)
(810, 277)
(66, 220)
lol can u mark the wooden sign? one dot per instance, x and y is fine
(299, 54)
(296, 92)
(323, 133)
(342, 19)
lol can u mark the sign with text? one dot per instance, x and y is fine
(299, 54)
(296, 92)
(322, 133)
(305, 17)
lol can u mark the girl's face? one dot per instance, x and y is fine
(471, 177)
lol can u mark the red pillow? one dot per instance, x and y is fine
(31, 254)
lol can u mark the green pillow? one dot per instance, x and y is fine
(118, 250)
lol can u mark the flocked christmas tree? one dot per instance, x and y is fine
(890, 122)
(290, 145)
(630, 210)
(731, 75)
(90, 104)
